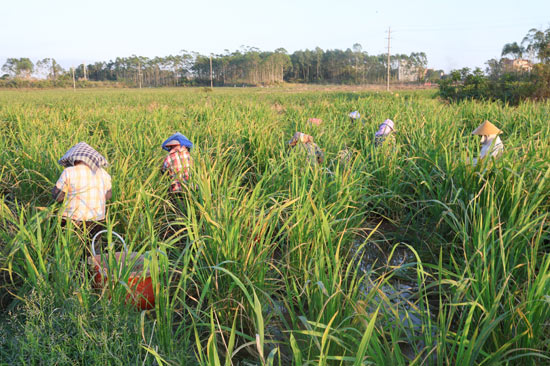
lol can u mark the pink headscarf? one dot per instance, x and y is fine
(385, 128)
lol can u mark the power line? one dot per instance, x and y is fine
(482, 24)
(460, 27)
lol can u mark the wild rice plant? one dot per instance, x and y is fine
(404, 254)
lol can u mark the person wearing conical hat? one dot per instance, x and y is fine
(306, 142)
(491, 145)
(178, 161)
(84, 187)
(385, 130)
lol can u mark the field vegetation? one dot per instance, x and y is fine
(402, 255)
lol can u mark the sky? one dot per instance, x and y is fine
(453, 34)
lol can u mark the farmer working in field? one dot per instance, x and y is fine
(84, 186)
(491, 145)
(306, 142)
(178, 161)
(384, 132)
(354, 116)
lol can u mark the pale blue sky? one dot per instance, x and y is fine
(453, 34)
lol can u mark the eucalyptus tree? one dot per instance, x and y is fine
(513, 49)
(537, 42)
(419, 61)
(50, 68)
(19, 67)
(248, 65)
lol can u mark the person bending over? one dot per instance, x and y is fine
(84, 187)
(178, 161)
(385, 132)
(306, 142)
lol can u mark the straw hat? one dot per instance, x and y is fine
(486, 128)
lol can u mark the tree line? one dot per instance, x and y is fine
(508, 80)
(248, 66)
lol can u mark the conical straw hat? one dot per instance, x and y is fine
(486, 128)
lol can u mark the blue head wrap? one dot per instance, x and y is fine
(184, 141)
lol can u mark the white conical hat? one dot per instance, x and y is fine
(486, 128)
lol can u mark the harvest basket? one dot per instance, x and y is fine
(140, 286)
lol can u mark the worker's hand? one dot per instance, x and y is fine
(108, 195)
(57, 194)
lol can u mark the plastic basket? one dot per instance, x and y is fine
(140, 286)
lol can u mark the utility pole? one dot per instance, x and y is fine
(84, 69)
(211, 80)
(388, 77)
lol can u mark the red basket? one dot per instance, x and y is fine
(140, 286)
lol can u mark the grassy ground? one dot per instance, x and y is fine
(400, 255)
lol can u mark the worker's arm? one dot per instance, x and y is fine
(107, 185)
(61, 187)
(57, 194)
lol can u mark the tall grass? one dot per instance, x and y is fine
(403, 255)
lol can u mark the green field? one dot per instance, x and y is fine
(402, 255)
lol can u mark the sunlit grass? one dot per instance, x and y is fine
(267, 259)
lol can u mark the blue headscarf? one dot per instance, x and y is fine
(184, 141)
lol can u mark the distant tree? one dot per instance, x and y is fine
(281, 63)
(537, 42)
(248, 65)
(358, 53)
(513, 49)
(419, 60)
(19, 67)
(456, 75)
(318, 58)
(50, 68)
(464, 72)
(433, 75)
(10, 67)
(494, 69)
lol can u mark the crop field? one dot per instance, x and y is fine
(404, 254)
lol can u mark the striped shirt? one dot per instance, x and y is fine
(177, 164)
(85, 192)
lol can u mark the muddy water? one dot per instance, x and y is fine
(399, 295)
